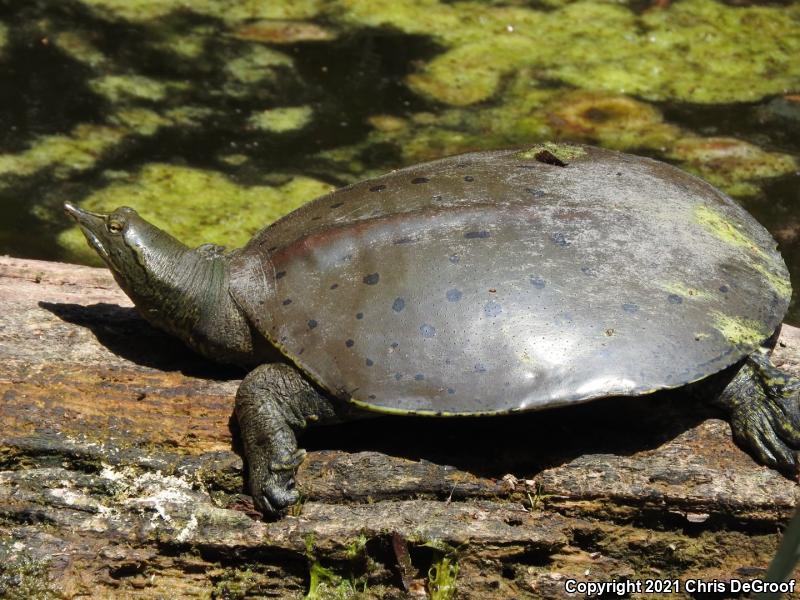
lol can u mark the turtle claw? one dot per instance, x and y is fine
(274, 491)
(754, 428)
(764, 406)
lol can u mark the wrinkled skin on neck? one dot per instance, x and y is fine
(180, 290)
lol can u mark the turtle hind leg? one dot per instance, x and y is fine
(273, 404)
(764, 407)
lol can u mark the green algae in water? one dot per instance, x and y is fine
(226, 10)
(279, 120)
(196, 206)
(118, 87)
(3, 38)
(694, 51)
(732, 164)
(65, 153)
(255, 65)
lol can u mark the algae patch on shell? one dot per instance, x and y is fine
(724, 229)
(739, 331)
(563, 152)
(194, 205)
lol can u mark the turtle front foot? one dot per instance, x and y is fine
(764, 405)
(273, 489)
(273, 404)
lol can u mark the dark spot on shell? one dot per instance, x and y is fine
(461, 165)
(538, 282)
(334, 286)
(454, 258)
(437, 198)
(630, 308)
(369, 362)
(287, 302)
(317, 218)
(469, 178)
(589, 271)
(312, 323)
(559, 239)
(283, 338)
(359, 316)
(377, 188)
(404, 240)
(398, 304)
(272, 249)
(372, 278)
(398, 376)
(492, 308)
(427, 331)
(534, 192)
(451, 391)
(394, 344)
(349, 343)
(280, 274)
(418, 180)
(674, 299)
(337, 205)
(419, 377)
(473, 235)
(454, 295)
(548, 158)
(724, 289)
(479, 368)
(619, 173)
(301, 351)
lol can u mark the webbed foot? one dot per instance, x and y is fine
(764, 405)
(274, 403)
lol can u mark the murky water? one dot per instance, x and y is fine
(217, 119)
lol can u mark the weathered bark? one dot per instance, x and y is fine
(121, 476)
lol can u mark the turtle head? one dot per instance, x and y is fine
(182, 291)
(136, 251)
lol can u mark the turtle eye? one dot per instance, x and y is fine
(114, 226)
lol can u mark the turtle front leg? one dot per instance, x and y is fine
(273, 404)
(764, 407)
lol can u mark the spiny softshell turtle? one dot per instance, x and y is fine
(485, 283)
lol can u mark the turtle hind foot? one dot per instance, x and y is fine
(764, 406)
(273, 404)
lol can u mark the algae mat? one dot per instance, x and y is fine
(216, 117)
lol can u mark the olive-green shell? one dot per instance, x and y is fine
(496, 281)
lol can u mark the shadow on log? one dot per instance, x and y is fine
(121, 478)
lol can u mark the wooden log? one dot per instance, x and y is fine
(120, 476)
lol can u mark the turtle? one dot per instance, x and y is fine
(480, 284)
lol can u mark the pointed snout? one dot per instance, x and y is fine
(83, 217)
